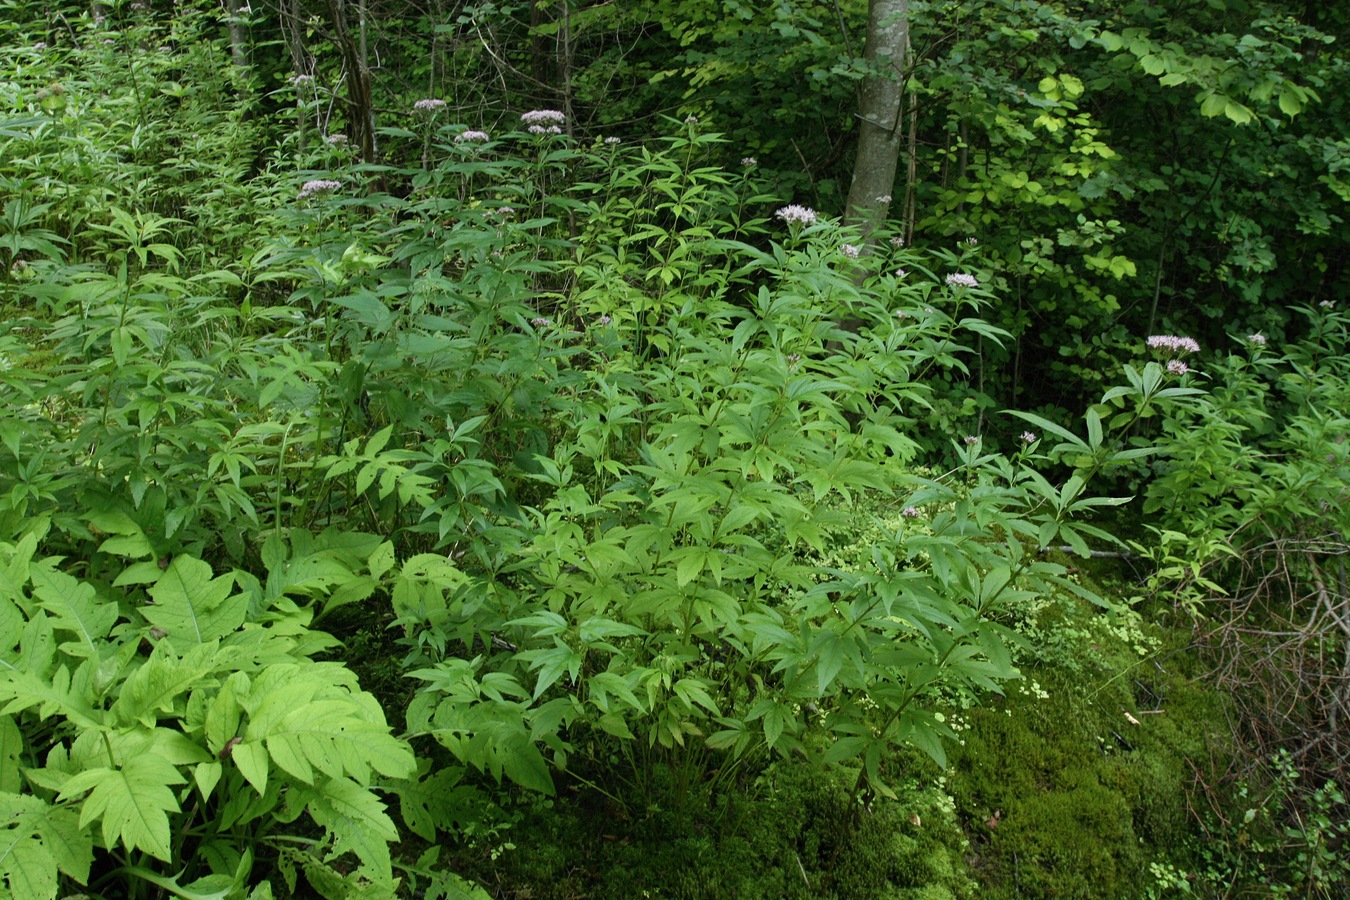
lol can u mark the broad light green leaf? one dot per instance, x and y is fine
(133, 802)
(356, 819)
(27, 868)
(76, 608)
(157, 685)
(192, 606)
(11, 747)
(51, 695)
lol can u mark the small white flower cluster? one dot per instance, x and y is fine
(1028, 437)
(749, 162)
(544, 129)
(471, 136)
(1172, 343)
(429, 105)
(301, 80)
(541, 322)
(543, 117)
(613, 140)
(1326, 304)
(795, 214)
(1257, 339)
(1177, 367)
(318, 186)
(337, 140)
(962, 280)
(850, 251)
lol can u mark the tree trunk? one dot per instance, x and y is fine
(238, 37)
(880, 103)
(360, 108)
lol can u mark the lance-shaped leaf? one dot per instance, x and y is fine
(132, 802)
(192, 606)
(76, 608)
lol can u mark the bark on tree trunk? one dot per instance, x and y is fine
(360, 108)
(238, 38)
(879, 109)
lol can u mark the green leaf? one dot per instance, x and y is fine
(1213, 105)
(132, 802)
(158, 684)
(358, 823)
(76, 608)
(192, 606)
(330, 735)
(1291, 103)
(11, 749)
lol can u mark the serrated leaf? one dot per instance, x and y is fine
(192, 606)
(26, 865)
(155, 687)
(51, 695)
(76, 609)
(11, 748)
(253, 763)
(357, 821)
(132, 802)
(427, 804)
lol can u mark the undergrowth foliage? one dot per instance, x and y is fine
(581, 420)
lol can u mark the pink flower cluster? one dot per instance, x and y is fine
(1173, 344)
(318, 186)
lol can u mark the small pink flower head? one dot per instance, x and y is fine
(1171, 343)
(897, 241)
(749, 162)
(1177, 367)
(910, 512)
(603, 320)
(471, 137)
(1028, 437)
(430, 106)
(901, 273)
(544, 129)
(850, 251)
(543, 117)
(1256, 340)
(970, 440)
(337, 140)
(318, 186)
(795, 214)
(962, 280)
(541, 322)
